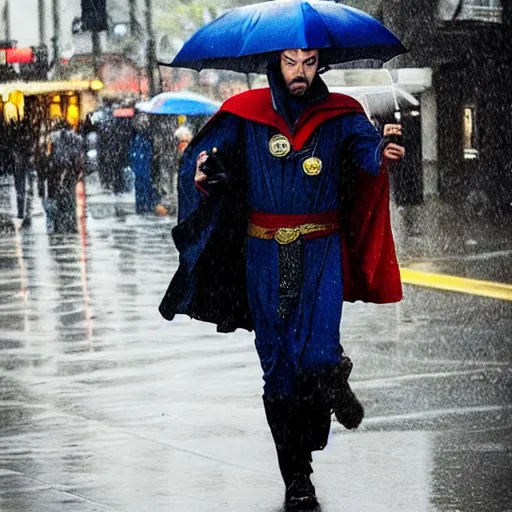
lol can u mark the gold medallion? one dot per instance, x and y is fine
(279, 145)
(312, 166)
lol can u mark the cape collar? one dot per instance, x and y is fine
(290, 108)
(256, 105)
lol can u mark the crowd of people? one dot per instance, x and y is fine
(134, 153)
(141, 151)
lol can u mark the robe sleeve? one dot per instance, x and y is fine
(209, 284)
(362, 143)
(223, 132)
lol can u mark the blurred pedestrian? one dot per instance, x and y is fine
(102, 121)
(7, 151)
(47, 180)
(24, 177)
(7, 163)
(67, 164)
(183, 136)
(120, 154)
(283, 215)
(141, 161)
(161, 168)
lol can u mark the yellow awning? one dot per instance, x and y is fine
(56, 86)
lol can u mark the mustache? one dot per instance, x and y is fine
(299, 80)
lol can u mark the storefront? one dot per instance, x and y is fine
(44, 101)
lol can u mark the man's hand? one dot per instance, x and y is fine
(200, 175)
(392, 151)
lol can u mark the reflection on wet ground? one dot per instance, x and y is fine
(105, 406)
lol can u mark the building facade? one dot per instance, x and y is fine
(53, 23)
(465, 109)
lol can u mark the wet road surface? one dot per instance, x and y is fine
(106, 407)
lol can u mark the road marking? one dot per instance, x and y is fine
(436, 413)
(457, 284)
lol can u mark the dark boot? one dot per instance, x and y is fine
(296, 432)
(293, 457)
(347, 408)
(300, 494)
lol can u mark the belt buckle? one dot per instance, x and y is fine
(286, 236)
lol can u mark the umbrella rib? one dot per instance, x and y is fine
(319, 17)
(251, 23)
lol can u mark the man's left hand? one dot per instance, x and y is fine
(393, 152)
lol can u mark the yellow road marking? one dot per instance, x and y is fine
(457, 284)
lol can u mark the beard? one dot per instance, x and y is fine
(298, 87)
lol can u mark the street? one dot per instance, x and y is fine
(106, 406)
(377, 124)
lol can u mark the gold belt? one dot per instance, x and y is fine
(285, 236)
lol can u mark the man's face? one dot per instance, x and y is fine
(299, 68)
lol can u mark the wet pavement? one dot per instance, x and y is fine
(456, 240)
(106, 407)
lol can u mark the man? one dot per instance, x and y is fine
(290, 192)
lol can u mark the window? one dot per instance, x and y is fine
(469, 131)
(489, 11)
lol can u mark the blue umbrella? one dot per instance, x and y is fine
(244, 38)
(180, 103)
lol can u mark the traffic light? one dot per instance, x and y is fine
(94, 15)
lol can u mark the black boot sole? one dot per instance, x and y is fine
(310, 503)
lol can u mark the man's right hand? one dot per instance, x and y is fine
(200, 175)
(394, 150)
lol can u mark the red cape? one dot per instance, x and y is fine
(370, 267)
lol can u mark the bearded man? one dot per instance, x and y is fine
(283, 215)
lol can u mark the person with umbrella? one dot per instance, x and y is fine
(142, 156)
(283, 215)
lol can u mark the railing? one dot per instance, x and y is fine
(480, 13)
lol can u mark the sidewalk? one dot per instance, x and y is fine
(434, 237)
(104, 406)
(441, 238)
(103, 203)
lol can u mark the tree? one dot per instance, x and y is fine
(180, 19)
(372, 7)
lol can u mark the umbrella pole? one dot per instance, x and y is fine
(397, 114)
(366, 106)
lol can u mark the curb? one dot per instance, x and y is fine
(490, 289)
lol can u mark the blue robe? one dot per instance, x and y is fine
(141, 156)
(308, 340)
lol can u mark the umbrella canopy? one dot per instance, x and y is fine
(379, 99)
(180, 103)
(244, 38)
